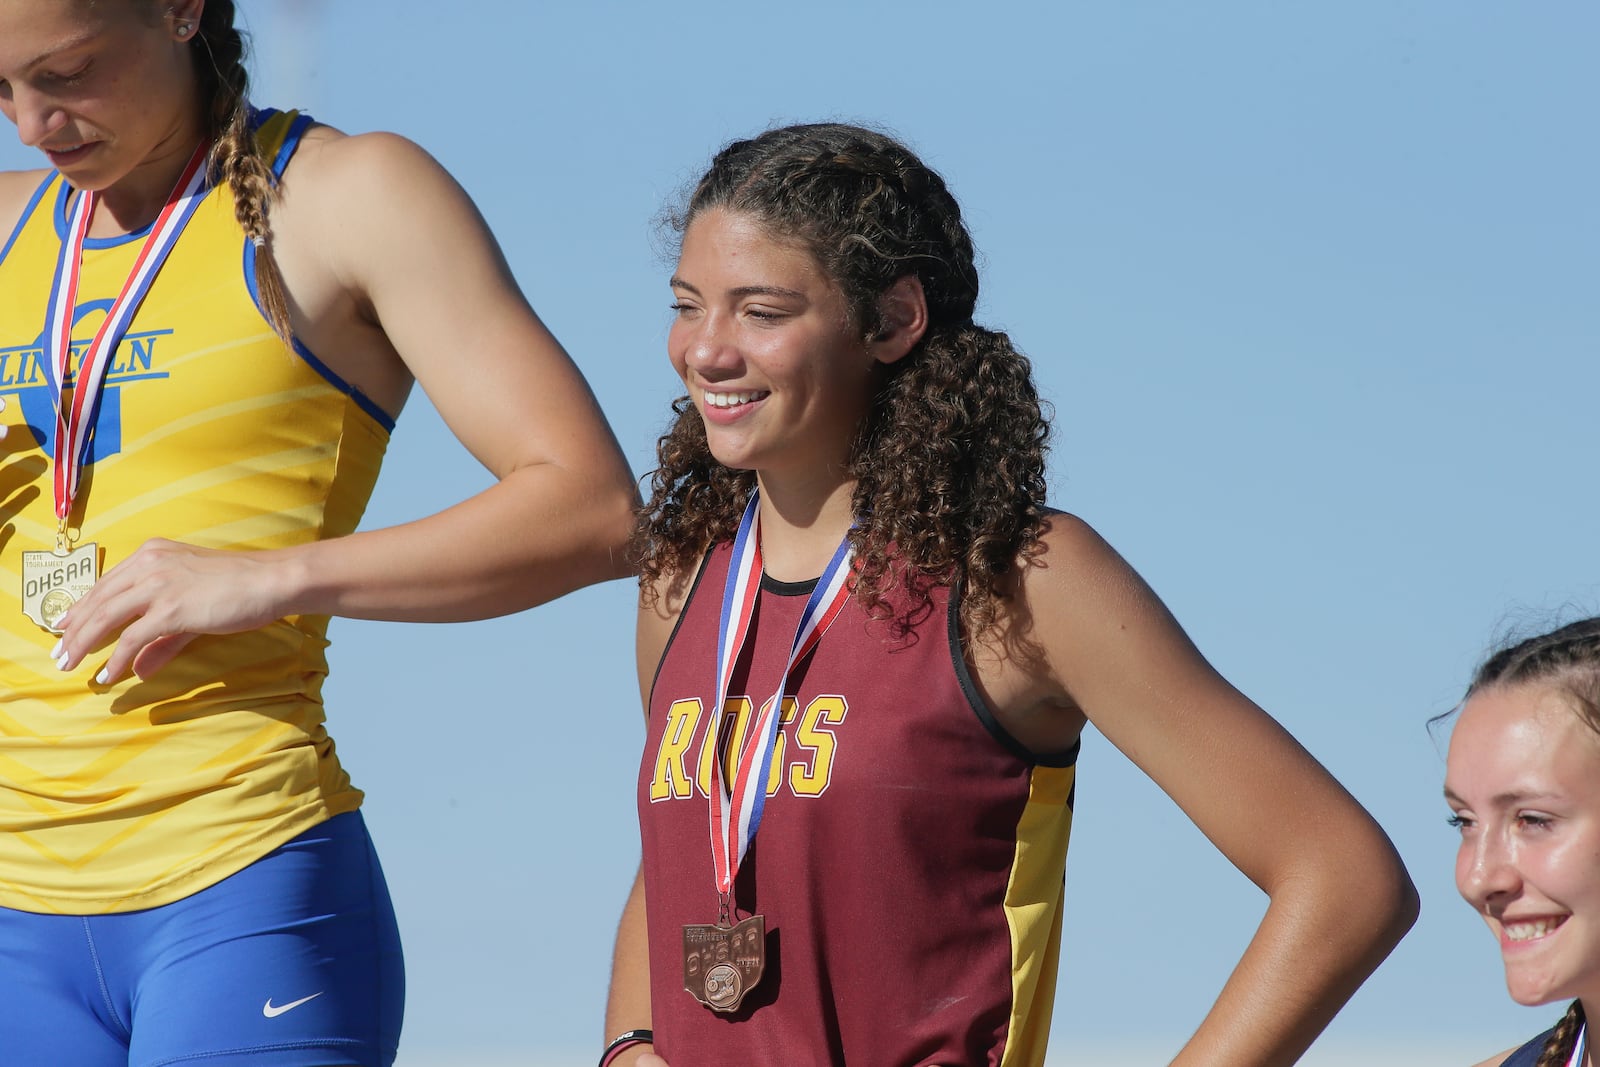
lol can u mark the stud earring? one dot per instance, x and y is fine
(183, 30)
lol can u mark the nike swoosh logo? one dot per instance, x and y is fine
(271, 1012)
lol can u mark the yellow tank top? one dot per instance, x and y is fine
(210, 431)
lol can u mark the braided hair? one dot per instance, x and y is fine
(1559, 1045)
(219, 51)
(949, 464)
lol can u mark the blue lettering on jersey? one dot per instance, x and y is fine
(22, 371)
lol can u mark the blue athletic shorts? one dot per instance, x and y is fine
(292, 962)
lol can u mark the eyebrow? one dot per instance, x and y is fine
(1512, 796)
(745, 290)
(66, 46)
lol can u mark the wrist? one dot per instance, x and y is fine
(626, 1047)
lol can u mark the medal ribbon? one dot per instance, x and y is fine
(74, 419)
(1579, 1047)
(736, 812)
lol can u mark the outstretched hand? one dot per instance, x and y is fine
(162, 597)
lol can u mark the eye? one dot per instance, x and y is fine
(1534, 820)
(71, 77)
(1460, 822)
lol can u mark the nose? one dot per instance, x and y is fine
(1486, 871)
(708, 346)
(36, 115)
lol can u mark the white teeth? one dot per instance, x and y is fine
(1529, 930)
(728, 400)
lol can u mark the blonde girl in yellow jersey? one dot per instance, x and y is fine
(187, 451)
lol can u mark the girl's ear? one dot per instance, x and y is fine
(903, 319)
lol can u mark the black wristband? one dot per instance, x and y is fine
(626, 1041)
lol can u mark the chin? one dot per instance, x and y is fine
(1534, 992)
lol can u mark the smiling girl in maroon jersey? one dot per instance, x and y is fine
(895, 822)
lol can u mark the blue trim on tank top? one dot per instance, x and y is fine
(291, 141)
(27, 213)
(61, 214)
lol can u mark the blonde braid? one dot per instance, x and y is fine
(235, 154)
(1558, 1048)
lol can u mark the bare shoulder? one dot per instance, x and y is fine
(1050, 608)
(1075, 575)
(331, 162)
(374, 204)
(16, 189)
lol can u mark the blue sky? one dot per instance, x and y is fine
(1312, 291)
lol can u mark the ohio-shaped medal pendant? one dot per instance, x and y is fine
(723, 963)
(54, 581)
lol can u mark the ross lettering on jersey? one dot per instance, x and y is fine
(23, 372)
(811, 780)
(735, 721)
(779, 743)
(807, 733)
(672, 778)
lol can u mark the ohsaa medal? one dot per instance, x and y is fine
(723, 963)
(54, 581)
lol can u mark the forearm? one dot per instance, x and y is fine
(1324, 932)
(537, 534)
(628, 1004)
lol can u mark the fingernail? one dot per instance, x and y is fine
(61, 663)
(104, 677)
(61, 646)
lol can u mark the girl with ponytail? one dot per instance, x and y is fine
(1523, 784)
(867, 649)
(211, 315)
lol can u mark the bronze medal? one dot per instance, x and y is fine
(722, 963)
(53, 581)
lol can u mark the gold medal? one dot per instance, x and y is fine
(53, 581)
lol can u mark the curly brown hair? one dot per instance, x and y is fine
(949, 464)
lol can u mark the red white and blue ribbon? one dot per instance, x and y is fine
(75, 417)
(736, 812)
(1579, 1047)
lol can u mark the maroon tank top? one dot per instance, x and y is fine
(909, 859)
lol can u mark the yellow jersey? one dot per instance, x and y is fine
(212, 431)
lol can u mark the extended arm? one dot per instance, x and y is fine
(387, 257)
(1339, 897)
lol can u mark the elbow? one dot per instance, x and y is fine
(1355, 893)
(1405, 906)
(615, 514)
(602, 519)
(1372, 896)
(1397, 904)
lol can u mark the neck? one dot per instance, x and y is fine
(137, 198)
(802, 524)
